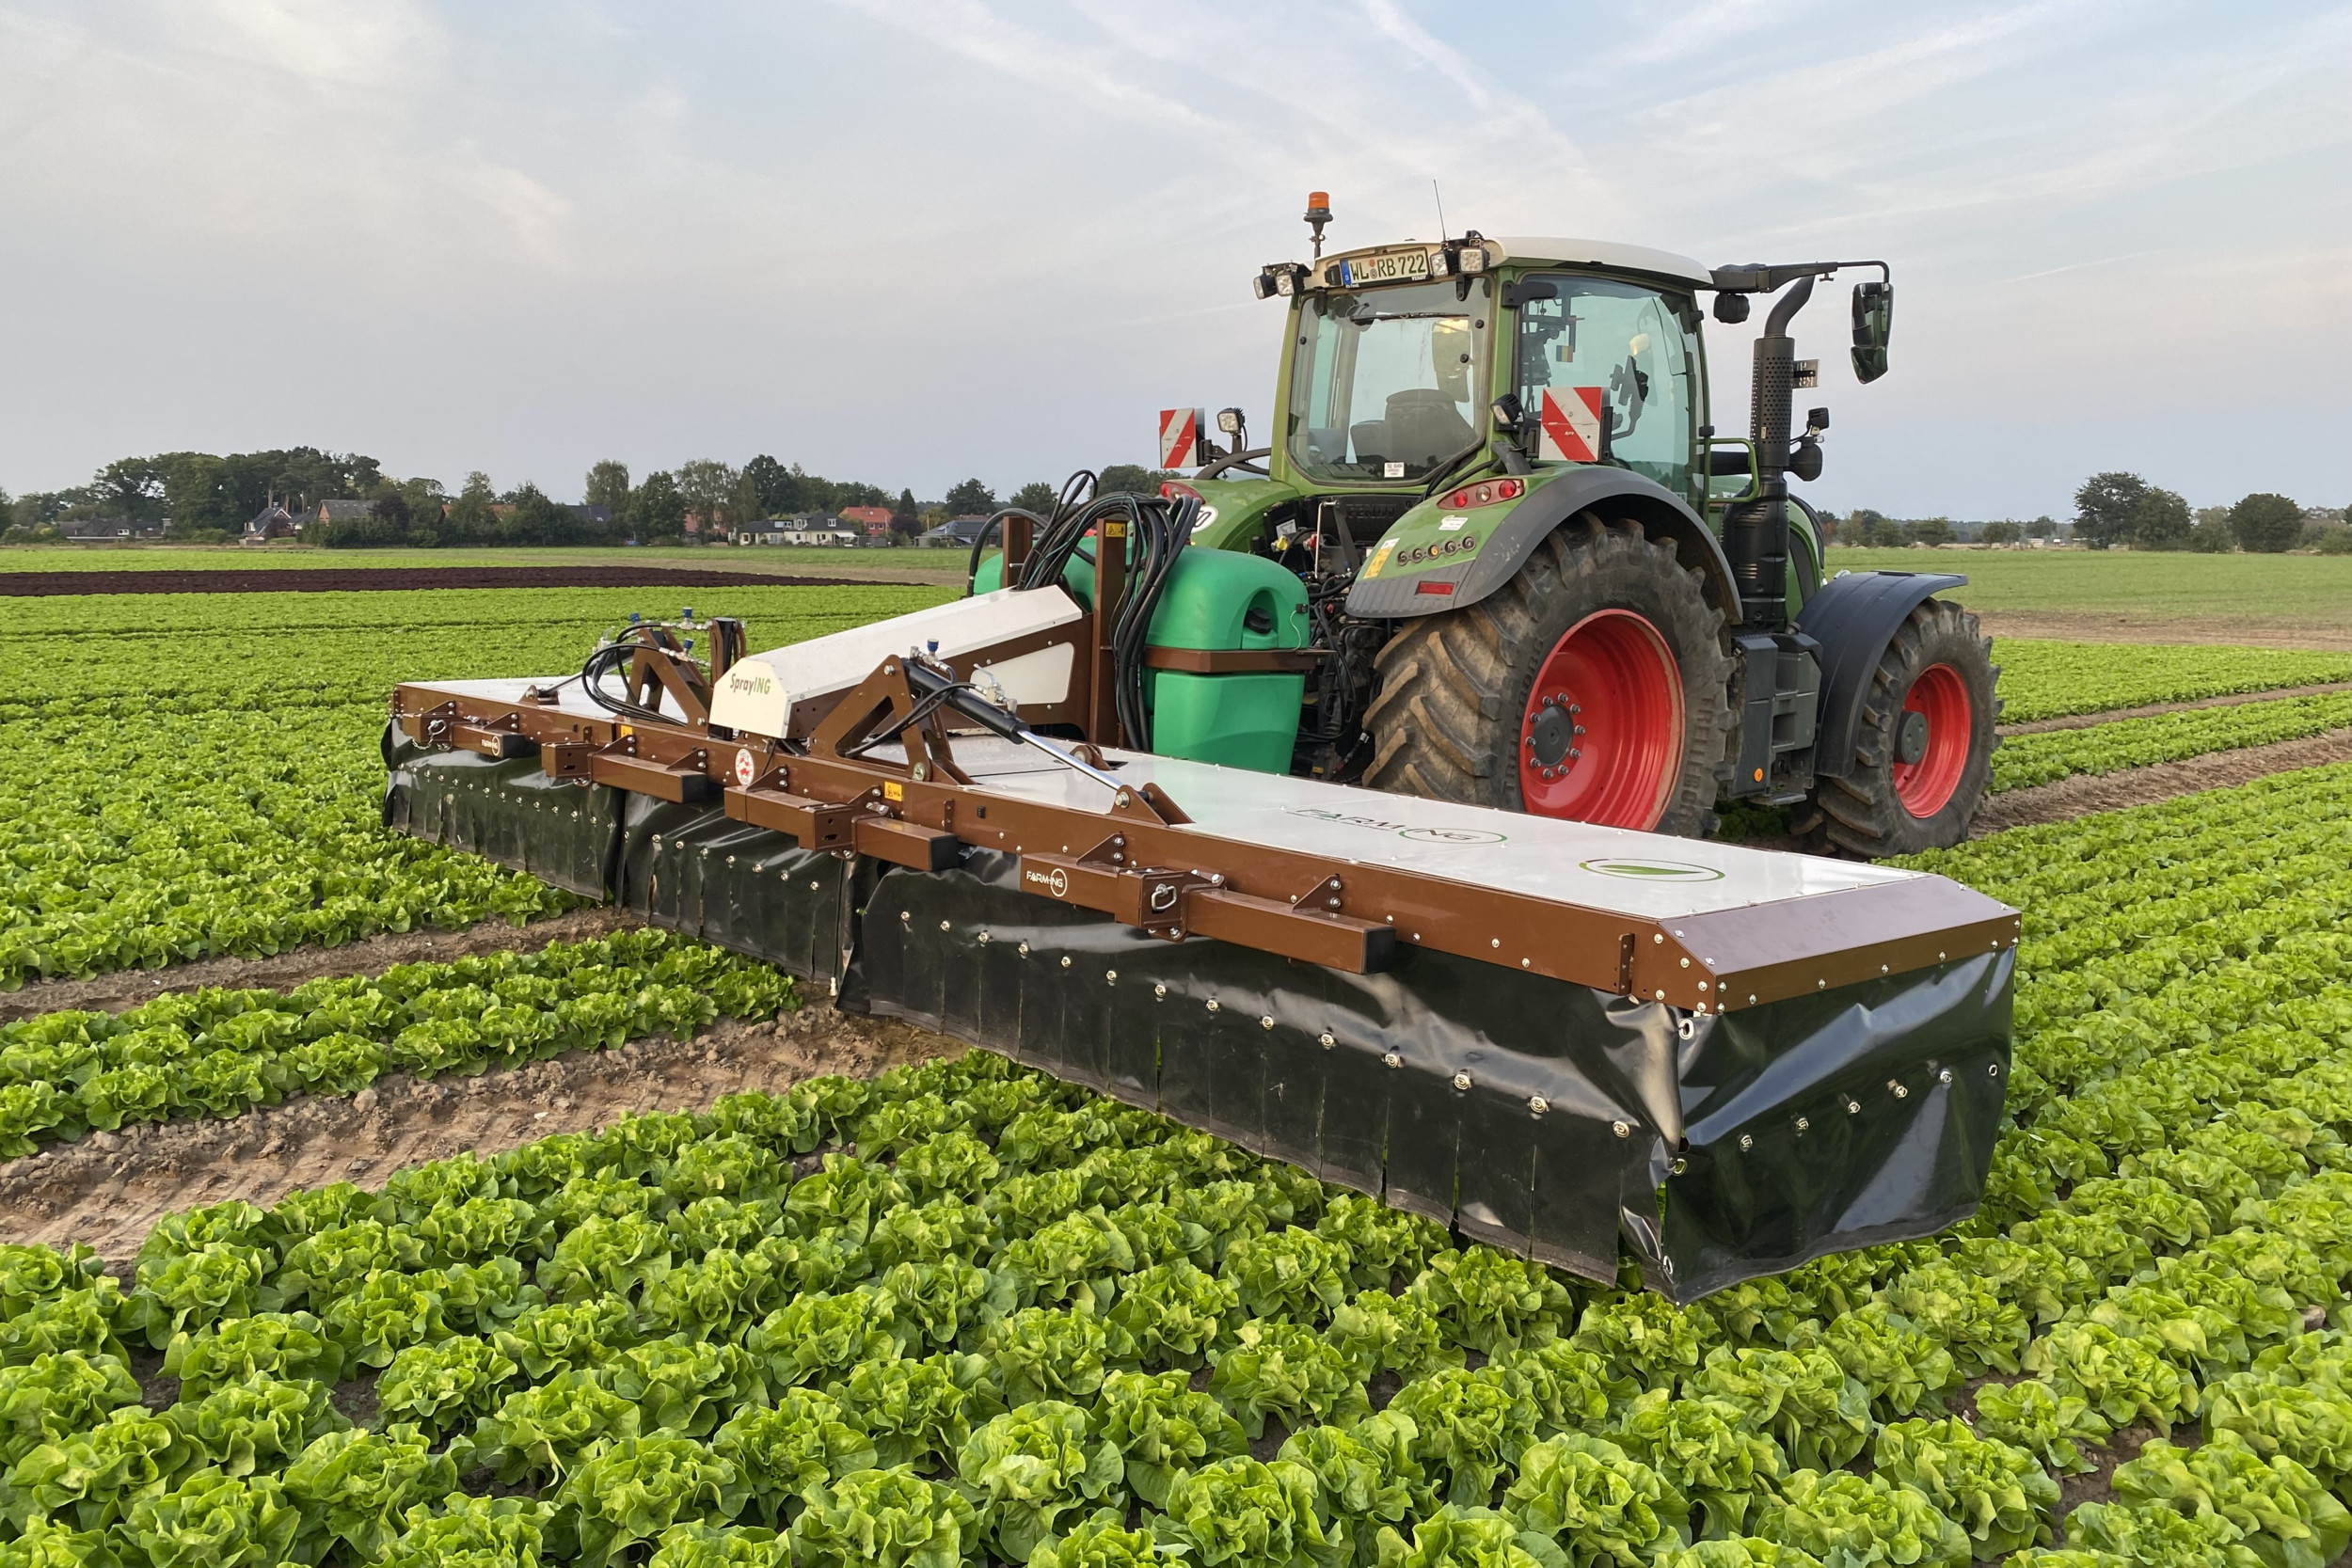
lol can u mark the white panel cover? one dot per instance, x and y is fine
(823, 668)
(1642, 875)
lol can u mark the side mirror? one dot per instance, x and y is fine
(1873, 321)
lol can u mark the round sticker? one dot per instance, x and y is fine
(1641, 869)
(746, 769)
(1450, 835)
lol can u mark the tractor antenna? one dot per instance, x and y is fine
(1318, 214)
(1440, 198)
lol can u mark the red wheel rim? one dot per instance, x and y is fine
(1940, 698)
(1601, 737)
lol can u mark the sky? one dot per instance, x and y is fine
(912, 241)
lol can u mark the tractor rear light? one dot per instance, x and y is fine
(1436, 590)
(1493, 492)
(1174, 490)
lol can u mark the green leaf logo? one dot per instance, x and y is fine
(1654, 871)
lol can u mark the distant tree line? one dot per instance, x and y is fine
(207, 499)
(2119, 510)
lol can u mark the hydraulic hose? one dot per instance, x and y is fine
(995, 525)
(615, 655)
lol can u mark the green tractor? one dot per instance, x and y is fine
(1535, 576)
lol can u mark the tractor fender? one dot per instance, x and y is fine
(1853, 616)
(1609, 493)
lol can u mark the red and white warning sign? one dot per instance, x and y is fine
(1179, 438)
(746, 766)
(1571, 425)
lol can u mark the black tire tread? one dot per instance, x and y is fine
(1859, 816)
(1453, 686)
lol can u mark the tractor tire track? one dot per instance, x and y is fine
(2064, 799)
(128, 988)
(2233, 699)
(109, 1189)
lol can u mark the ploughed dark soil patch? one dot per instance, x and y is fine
(335, 579)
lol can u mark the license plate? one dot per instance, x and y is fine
(1400, 266)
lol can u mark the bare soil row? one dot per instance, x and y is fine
(374, 579)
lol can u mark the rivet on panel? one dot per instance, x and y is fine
(1621, 1130)
(1746, 1143)
(1267, 1022)
(1328, 1041)
(1821, 985)
(1804, 1122)
(1662, 996)
(1751, 999)
(906, 915)
(1853, 1107)
(1527, 964)
(1945, 1076)
(1883, 970)
(1391, 1059)
(1992, 1071)
(1495, 942)
(1160, 992)
(1538, 1105)
(983, 938)
(1462, 1081)
(1681, 1166)
(1686, 963)
(1660, 938)
(1110, 976)
(1023, 950)
(1065, 961)
(1213, 1005)
(945, 927)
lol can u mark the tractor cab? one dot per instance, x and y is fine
(1406, 367)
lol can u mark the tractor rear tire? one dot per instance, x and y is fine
(1923, 754)
(1618, 627)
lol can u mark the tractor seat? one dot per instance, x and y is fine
(1424, 428)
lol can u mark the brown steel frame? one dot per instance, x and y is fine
(1139, 862)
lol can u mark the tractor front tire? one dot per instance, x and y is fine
(1923, 753)
(1630, 721)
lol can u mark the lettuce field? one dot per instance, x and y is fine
(959, 1313)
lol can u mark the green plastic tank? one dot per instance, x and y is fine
(1223, 601)
(1216, 600)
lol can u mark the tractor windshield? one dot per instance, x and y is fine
(1389, 381)
(1621, 363)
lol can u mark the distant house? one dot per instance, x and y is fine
(955, 534)
(346, 511)
(272, 522)
(96, 530)
(600, 515)
(815, 528)
(870, 519)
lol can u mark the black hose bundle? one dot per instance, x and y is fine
(1161, 532)
(617, 655)
(1074, 491)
